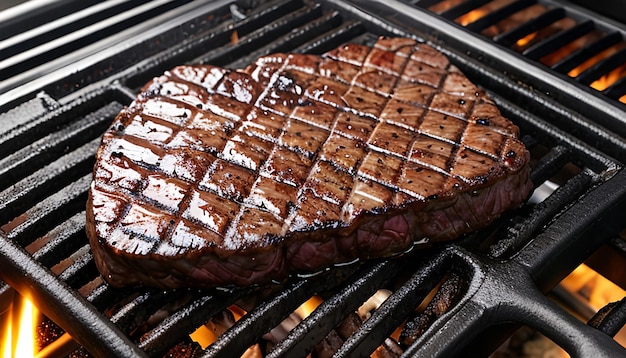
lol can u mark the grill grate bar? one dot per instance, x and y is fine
(610, 318)
(272, 311)
(75, 40)
(548, 253)
(617, 89)
(260, 37)
(191, 51)
(62, 304)
(326, 42)
(62, 26)
(262, 318)
(546, 133)
(65, 201)
(499, 14)
(185, 320)
(550, 164)
(60, 241)
(19, 197)
(518, 234)
(510, 37)
(302, 339)
(102, 296)
(583, 54)
(26, 16)
(81, 269)
(550, 44)
(553, 24)
(426, 3)
(288, 41)
(462, 8)
(19, 130)
(24, 161)
(139, 309)
(602, 67)
(398, 306)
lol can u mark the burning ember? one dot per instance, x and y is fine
(20, 330)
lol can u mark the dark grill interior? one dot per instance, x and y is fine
(50, 127)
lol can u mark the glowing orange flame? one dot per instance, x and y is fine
(444, 5)
(471, 17)
(526, 39)
(596, 288)
(19, 340)
(308, 307)
(210, 332)
(590, 62)
(607, 80)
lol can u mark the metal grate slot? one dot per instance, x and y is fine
(549, 33)
(401, 304)
(329, 313)
(25, 161)
(499, 14)
(298, 35)
(547, 46)
(269, 313)
(77, 269)
(28, 16)
(72, 21)
(186, 319)
(49, 49)
(343, 33)
(462, 8)
(518, 234)
(510, 37)
(61, 241)
(602, 67)
(617, 89)
(278, 28)
(426, 3)
(136, 312)
(583, 54)
(27, 223)
(213, 39)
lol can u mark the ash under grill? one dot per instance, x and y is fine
(51, 125)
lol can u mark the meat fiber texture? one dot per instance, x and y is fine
(216, 177)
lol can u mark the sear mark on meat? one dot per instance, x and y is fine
(214, 177)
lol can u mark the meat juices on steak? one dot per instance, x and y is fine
(214, 177)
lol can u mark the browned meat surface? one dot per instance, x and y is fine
(215, 177)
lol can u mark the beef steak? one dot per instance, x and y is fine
(214, 177)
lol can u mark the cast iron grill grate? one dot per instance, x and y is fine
(49, 139)
(547, 32)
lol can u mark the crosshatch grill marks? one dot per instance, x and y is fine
(382, 117)
(184, 112)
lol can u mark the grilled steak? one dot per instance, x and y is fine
(214, 177)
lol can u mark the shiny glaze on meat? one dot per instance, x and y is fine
(218, 177)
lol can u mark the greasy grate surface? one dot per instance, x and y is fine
(362, 129)
(45, 252)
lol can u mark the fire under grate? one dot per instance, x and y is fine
(49, 136)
